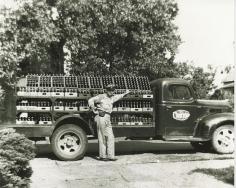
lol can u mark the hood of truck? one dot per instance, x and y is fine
(214, 104)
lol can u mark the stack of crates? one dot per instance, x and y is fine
(44, 96)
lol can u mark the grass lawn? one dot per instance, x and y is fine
(223, 174)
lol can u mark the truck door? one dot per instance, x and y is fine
(178, 112)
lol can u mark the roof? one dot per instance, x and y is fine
(230, 85)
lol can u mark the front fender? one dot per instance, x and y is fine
(78, 116)
(206, 125)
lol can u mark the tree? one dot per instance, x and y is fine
(127, 36)
(29, 35)
(202, 81)
(100, 36)
(124, 37)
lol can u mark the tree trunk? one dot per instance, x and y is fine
(9, 107)
(57, 57)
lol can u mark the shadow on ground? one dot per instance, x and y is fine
(158, 150)
(127, 148)
(223, 174)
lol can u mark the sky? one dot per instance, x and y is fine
(206, 28)
(207, 31)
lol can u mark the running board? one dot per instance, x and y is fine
(184, 138)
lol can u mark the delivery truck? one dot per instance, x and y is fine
(56, 107)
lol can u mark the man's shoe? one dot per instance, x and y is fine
(112, 159)
(102, 159)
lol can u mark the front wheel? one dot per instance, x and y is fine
(69, 142)
(223, 139)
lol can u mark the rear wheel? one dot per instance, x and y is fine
(201, 146)
(223, 139)
(69, 142)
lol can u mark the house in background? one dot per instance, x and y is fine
(227, 87)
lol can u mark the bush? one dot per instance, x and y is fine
(15, 153)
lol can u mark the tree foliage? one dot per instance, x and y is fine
(102, 36)
(123, 37)
(202, 81)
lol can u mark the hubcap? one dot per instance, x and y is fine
(225, 139)
(69, 143)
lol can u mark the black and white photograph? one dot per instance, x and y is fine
(117, 93)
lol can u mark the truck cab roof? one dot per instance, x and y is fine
(166, 81)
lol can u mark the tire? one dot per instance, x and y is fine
(201, 146)
(223, 139)
(69, 142)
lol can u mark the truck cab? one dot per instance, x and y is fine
(181, 116)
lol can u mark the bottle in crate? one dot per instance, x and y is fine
(45, 81)
(19, 120)
(140, 120)
(58, 106)
(32, 91)
(132, 120)
(45, 120)
(136, 106)
(124, 120)
(147, 106)
(70, 81)
(82, 82)
(71, 106)
(22, 105)
(143, 83)
(137, 121)
(71, 92)
(57, 92)
(114, 120)
(84, 93)
(29, 120)
(44, 92)
(120, 120)
(135, 93)
(44, 105)
(32, 80)
(22, 91)
(115, 107)
(83, 105)
(95, 82)
(147, 94)
(19, 105)
(32, 105)
(58, 81)
(124, 106)
(149, 121)
(119, 108)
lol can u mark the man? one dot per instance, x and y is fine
(102, 106)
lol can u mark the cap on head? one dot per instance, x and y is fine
(97, 102)
(110, 87)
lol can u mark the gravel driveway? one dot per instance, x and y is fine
(164, 169)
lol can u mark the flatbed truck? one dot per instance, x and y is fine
(164, 109)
